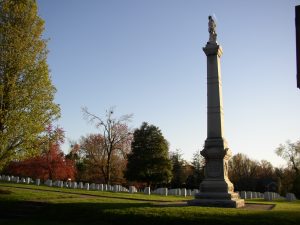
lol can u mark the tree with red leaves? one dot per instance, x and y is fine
(51, 164)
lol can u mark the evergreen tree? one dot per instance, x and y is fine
(179, 173)
(197, 176)
(149, 160)
(26, 91)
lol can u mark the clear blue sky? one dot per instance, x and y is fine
(145, 57)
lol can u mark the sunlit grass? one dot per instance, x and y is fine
(69, 206)
(68, 191)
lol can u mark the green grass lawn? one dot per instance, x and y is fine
(29, 204)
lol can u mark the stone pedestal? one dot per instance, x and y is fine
(216, 189)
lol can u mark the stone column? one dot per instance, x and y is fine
(216, 189)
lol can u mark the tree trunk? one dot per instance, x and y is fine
(108, 169)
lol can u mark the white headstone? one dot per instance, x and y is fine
(147, 190)
(80, 186)
(267, 196)
(164, 191)
(291, 197)
(101, 187)
(55, 183)
(273, 195)
(156, 191)
(37, 182)
(125, 190)
(243, 194)
(132, 189)
(258, 195)
(48, 182)
(66, 184)
(195, 191)
(92, 186)
(74, 184)
(115, 188)
(249, 195)
(183, 192)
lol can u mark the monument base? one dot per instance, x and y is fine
(223, 203)
(226, 200)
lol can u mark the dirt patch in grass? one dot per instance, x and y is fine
(4, 192)
(256, 206)
(171, 204)
(248, 206)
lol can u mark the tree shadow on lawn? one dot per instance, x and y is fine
(28, 212)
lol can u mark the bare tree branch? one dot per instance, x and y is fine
(116, 135)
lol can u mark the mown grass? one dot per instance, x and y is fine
(28, 204)
(67, 192)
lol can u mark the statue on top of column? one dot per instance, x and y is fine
(212, 30)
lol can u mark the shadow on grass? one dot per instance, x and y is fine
(27, 212)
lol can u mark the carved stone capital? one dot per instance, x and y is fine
(213, 49)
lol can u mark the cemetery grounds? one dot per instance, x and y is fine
(30, 204)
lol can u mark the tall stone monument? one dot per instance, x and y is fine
(216, 189)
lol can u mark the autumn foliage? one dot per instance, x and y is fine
(91, 159)
(50, 164)
(108, 150)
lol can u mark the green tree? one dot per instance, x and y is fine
(179, 173)
(198, 163)
(149, 160)
(243, 172)
(252, 175)
(291, 153)
(287, 177)
(26, 90)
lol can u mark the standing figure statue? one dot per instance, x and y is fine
(212, 30)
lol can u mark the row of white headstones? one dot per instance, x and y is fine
(268, 196)
(100, 187)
